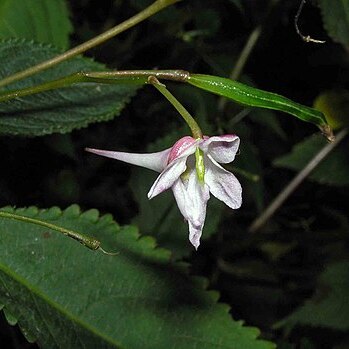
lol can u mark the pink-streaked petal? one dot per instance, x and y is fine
(167, 177)
(192, 201)
(182, 148)
(222, 148)
(223, 184)
(153, 161)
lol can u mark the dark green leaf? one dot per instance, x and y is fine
(59, 110)
(329, 306)
(45, 21)
(335, 14)
(333, 170)
(66, 296)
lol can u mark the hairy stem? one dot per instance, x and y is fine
(295, 182)
(83, 239)
(137, 77)
(141, 16)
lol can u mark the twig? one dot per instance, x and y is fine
(305, 38)
(295, 182)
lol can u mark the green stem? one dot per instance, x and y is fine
(141, 16)
(194, 127)
(137, 77)
(83, 239)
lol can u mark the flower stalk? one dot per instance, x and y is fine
(193, 125)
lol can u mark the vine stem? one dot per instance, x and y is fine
(295, 182)
(306, 38)
(137, 77)
(83, 239)
(157, 6)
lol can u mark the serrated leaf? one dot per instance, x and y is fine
(333, 170)
(59, 110)
(335, 15)
(64, 295)
(45, 21)
(329, 306)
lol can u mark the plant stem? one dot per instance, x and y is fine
(295, 182)
(305, 38)
(83, 239)
(137, 77)
(194, 127)
(139, 17)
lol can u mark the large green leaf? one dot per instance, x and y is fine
(45, 21)
(329, 307)
(334, 170)
(59, 110)
(335, 14)
(64, 295)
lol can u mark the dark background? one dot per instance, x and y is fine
(205, 37)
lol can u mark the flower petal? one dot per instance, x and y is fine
(192, 201)
(167, 177)
(223, 184)
(183, 148)
(153, 161)
(222, 148)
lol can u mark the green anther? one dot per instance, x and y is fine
(199, 164)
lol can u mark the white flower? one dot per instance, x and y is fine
(191, 168)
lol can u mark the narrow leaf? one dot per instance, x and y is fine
(60, 110)
(45, 21)
(66, 296)
(253, 97)
(329, 306)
